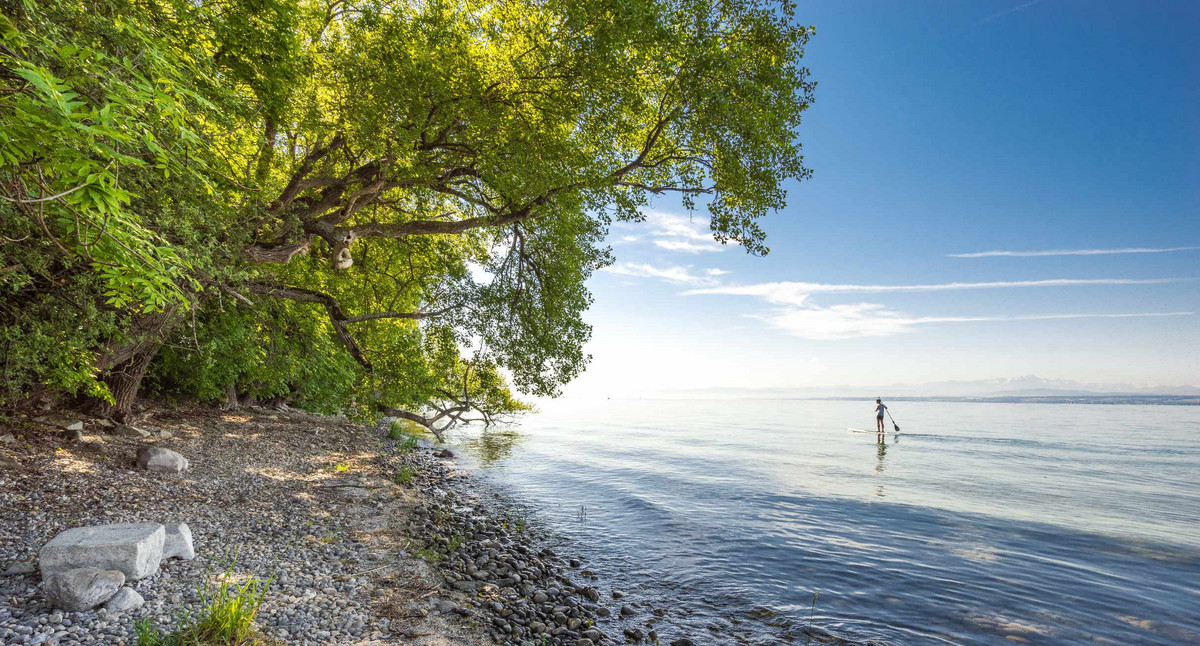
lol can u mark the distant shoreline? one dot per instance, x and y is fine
(1111, 400)
(1106, 400)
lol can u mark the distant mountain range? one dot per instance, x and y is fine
(1016, 387)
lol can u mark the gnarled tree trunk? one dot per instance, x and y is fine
(124, 364)
(123, 382)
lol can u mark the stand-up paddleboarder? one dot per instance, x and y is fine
(880, 409)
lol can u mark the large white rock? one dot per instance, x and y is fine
(82, 589)
(178, 543)
(134, 549)
(154, 458)
(124, 600)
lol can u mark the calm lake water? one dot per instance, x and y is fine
(980, 524)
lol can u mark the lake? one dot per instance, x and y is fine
(979, 524)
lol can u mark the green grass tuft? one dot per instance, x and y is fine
(406, 433)
(405, 476)
(226, 618)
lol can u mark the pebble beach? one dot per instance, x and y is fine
(362, 539)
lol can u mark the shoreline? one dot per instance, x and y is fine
(355, 552)
(367, 539)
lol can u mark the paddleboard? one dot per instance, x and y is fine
(859, 430)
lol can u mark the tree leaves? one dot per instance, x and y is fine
(413, 193)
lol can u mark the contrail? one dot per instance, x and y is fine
(1069, 252)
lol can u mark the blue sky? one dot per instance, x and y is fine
(944, 128)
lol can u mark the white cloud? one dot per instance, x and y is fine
(680, 233)
(1069, 252)
(796, 293)
(674, 274)
(685, 246)
(800, 316)
(874, 320)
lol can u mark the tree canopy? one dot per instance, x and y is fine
(374, 207)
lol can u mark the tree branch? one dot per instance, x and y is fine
(332, 307)
(338, 316)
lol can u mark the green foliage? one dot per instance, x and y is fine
(362, 206)
(399, 429)
(403, 433)
(405, 476)
(430, 554)
(225, 618)
(278, 350)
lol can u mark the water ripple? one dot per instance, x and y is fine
(992, 524)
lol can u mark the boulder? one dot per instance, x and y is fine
(124, 600)
(73, 435)
(9, 464)
(153, 458)
(178, 542)
(125, 430)
(8, 438)
(60, 421)
(444, 453)
(83, 588)
(134, 549)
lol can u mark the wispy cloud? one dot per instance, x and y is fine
(686, 246)
(1001, 14)
(796, 293)
(676, 233)
(874, 320)
(673, 274)
(1069, 252)
(797, 314)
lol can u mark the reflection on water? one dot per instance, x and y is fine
(1002, 523)
(491, 445)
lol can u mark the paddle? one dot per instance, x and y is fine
(894, 424)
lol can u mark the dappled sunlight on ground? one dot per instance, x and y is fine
(67, 462)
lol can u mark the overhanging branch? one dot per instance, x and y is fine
(337, 315)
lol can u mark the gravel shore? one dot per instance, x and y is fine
(307, 501)
(365, 540)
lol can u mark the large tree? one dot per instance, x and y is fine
(409, 194)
